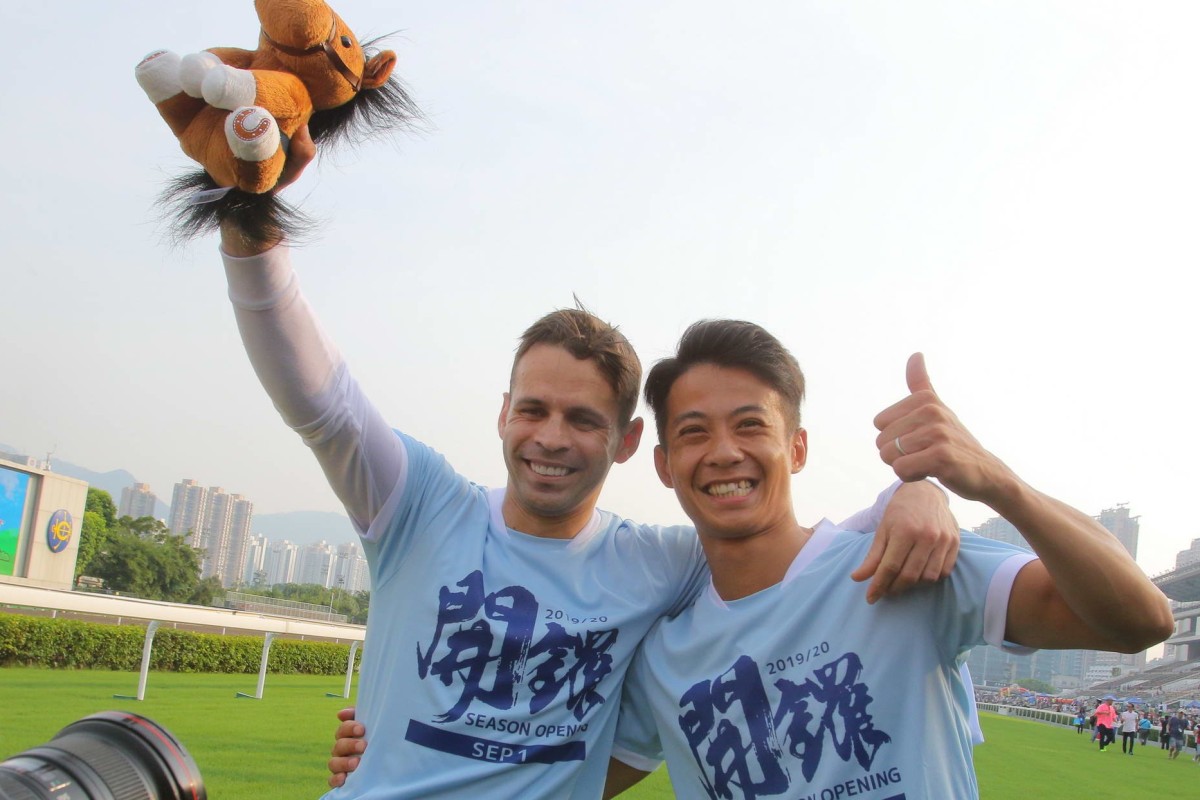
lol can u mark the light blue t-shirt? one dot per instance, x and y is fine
(494, 659)
(803, 690)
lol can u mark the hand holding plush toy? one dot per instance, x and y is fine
(234, 110)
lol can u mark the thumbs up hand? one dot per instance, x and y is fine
(920, 437)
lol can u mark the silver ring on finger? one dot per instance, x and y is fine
(896, 442)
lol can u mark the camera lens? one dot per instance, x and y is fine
(112, 755)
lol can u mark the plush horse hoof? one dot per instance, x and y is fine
(252, 133)
(158, 75)
(227, 87)
(193, 68)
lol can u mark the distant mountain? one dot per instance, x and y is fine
(112, 481)
(301, 527)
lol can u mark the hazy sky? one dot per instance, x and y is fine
(1009, 187)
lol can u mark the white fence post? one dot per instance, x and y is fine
(147, 646)
(262, 668)
(349, 672)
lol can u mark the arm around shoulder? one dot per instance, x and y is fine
(916, 539)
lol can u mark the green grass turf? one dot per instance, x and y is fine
(276, 747)
(1039, 761)
(270, 748)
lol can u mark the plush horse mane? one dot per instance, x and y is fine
(370, 112)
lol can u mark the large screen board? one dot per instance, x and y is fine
(14, 488)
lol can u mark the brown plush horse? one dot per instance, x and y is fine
(234, 110)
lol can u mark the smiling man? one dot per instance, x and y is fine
(778, 680)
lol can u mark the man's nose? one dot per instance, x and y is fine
(552, 434)
(725, 450)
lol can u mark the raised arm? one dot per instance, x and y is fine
(1085, 591)
(306, 377)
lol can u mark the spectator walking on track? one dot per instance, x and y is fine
(1106, 719)
(1129, 726)
(1177, 730)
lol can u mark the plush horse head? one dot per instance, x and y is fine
(235, 110)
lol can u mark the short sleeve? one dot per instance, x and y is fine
(974, 609)
(637, 741)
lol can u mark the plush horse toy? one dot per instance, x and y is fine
(235, 110)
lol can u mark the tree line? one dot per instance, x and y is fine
(142, 558)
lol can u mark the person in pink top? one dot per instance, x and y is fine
(1106, 717)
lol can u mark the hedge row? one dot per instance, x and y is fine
(37, 641)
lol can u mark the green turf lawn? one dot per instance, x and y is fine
(1039, 761)
(276, 747)
(270, 748)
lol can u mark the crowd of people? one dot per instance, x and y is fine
(1024, 699)
(1135, 724)
(1107, 718)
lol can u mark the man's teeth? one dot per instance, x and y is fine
(735, 489)
(548, 471)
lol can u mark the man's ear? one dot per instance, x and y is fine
(502, 422)
(630, 440)
(799, 450)
(378, 69)
(662, 466)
